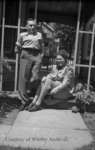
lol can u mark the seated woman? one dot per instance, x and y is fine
(58, 84)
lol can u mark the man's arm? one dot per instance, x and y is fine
(18, 45)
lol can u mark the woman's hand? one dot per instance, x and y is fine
(53, 91)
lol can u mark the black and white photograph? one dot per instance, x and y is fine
(47, 75)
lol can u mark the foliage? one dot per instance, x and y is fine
(84, 97)
(63, 36)
(66, 34)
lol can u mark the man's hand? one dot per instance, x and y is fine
(16, 49)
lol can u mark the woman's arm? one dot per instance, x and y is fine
(67, 82)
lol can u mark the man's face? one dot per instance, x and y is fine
(60, 61)
(31, 26)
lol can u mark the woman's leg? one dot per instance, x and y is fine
(35, 98)
(45, 88)
(49, 85)
(42, 93)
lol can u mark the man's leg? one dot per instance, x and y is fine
(28, 75)
(24, 73)
(36, 68)
(22, 80)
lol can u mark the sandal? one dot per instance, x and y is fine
(22, 107)
(30, 106)
(35, 108)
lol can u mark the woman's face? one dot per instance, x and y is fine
(60, 61)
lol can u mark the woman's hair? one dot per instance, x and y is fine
(64, 54)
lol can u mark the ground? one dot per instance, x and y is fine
(88, 117)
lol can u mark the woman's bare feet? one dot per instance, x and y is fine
(33, 102)
(35, 108)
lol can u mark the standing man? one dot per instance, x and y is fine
(29, 46)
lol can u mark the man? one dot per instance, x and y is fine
(58, 84)
(29, 45)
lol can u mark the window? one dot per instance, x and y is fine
(84, 51)
(13, 15)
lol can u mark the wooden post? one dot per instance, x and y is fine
(2, 47)
(17, 55)
(36, 9)
(91, 56)
(77, 35)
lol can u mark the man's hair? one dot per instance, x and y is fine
(63, 53)
(31, 19)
